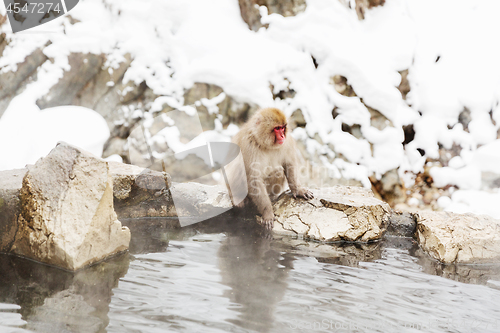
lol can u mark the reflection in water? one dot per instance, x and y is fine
(476, 274)
(53, 300)
(226, 276)
(257, 274)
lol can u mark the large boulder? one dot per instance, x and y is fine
(67, 217)
(10, 187)
(459, 238)
(340, 213)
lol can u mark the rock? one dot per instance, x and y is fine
(126, 176)
(140, 192)
(297, 119)
(114, 146)
(83, 68)
(94, 81)
(67, 217)
(377, 119)
(402, 224)
(101, 83)
(363, 5)
(341, 85)
(409, 132)
(196, 202)
(199, 91)
(12, 83)
(250, 10)
(459, 238)
(390, 187)
(120, 101)
(354, 130)
(232, 111)
(338, 213)
(404, 85)
(283, 93)
(465, 118)
(212, 106)
(10, 188)
(3, 18)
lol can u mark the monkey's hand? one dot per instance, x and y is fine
(267, 220)
(303, 193)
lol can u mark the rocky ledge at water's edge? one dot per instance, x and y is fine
(339, 213)
(64, 211)
(459, 238)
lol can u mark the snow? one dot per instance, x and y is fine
(474, 201)
(468, 177)
(27, 133)
(114, 158)
(449, 48)
(487, 157)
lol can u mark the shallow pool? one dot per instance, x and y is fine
(229, 277)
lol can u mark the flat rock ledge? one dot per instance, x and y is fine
(140, 192)
(459, 238)
(339, 213)
(66, 216)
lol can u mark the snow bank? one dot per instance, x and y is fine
(448, 46)
(27, 134)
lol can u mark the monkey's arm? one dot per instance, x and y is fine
(292, 177)
(258, 194)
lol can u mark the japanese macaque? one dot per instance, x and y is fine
(270, 157)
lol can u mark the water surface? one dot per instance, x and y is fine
(226, 276)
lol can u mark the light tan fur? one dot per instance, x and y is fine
(267, 163)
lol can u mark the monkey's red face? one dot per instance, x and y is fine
(279, 132)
